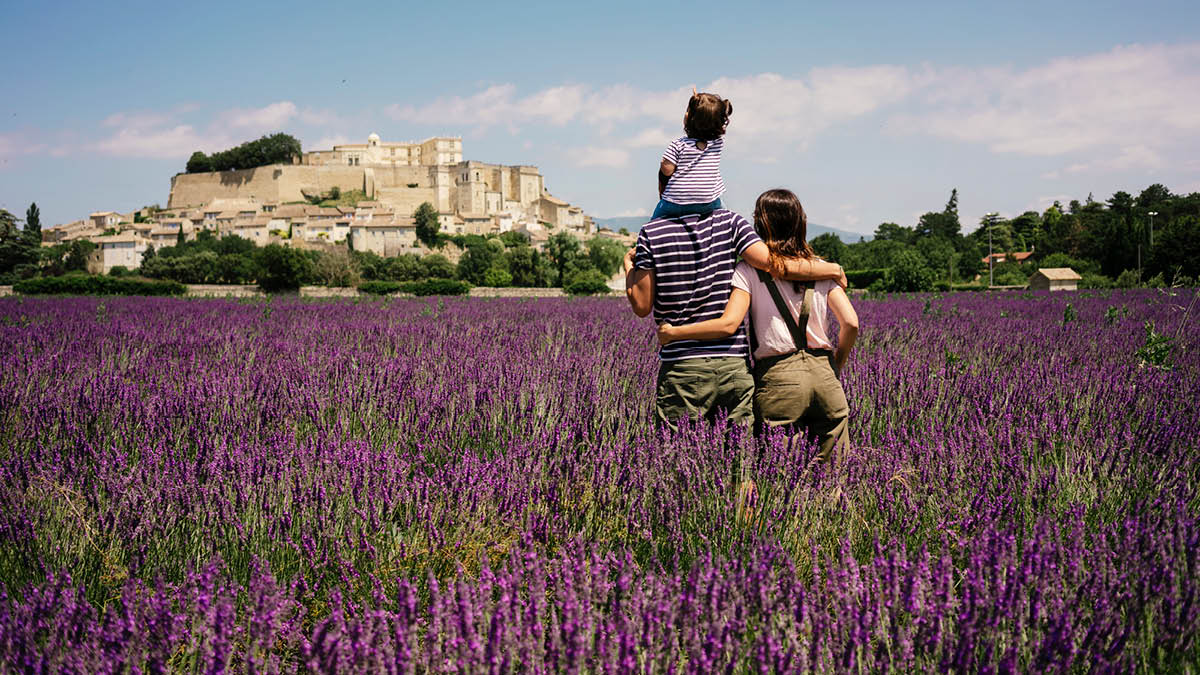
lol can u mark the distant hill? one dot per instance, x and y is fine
(633, 224)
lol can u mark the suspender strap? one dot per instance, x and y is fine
(799, 336)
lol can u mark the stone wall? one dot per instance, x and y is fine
(277, 183)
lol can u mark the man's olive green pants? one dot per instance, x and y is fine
(702, 387)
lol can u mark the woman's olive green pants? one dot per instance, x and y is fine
(801, 391)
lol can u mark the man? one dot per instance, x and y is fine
(681, 268)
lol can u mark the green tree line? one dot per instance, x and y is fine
(507, 259)
(273, 149)
(1109, 243)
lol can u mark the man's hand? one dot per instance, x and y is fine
(664, 334)
(627, 261)
(842, 280)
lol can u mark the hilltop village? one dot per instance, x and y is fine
(360, 196)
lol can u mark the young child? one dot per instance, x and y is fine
(689, 179)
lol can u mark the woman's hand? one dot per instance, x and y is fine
(665, 334)
(627, 261)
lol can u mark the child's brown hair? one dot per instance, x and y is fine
(707, 116)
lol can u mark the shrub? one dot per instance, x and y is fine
(119, 271)
(97, 285)
(282, 268)
(436, 287)
(380, 287)
(497, 277)
(864, 278)
(437, 266)
(1089, 280)
(1129, 279)
(336, 268)
(909, 273)
(587, 282)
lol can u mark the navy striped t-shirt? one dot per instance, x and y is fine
(693, 259)
(697, 178)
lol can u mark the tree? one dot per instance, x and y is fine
(77, 255)
(1177, 249)
(909, 273)
(894, 232)
(497, 277)
(605, 255)
(404, 267)
(939, 255)
(523, 265)
(437, 267)
(198, 163)
(372, 266)
(562, 248)
(1155, 197)
(475, 263)
(969, 262)
(512, 239)
(335, 268)
(33, 224)
(19, 254)
(273, 149)
(586, 282)
(236, 268)
(282, 268)
(232, 243)
(426, 219)
(829, 247)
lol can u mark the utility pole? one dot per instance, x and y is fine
(991, 261)
(1152, 214)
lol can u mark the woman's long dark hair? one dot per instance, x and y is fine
(780, 220)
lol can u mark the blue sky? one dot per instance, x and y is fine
(870, 113)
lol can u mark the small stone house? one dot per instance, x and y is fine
(1054, 279)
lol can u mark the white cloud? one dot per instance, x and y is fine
(848, 216)
(1042, 203)
(1138, 98)
(15, 145)
(327, 142)
(164, 143)
(767, 107)
(611, 157)
(650, 138)
(162, 135)
(634, 213)
(1133, 157)
(268, 117)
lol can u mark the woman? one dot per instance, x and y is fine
(795, 367)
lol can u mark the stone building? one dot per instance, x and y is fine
(437, 151)
(123, 249)
(1054, 279)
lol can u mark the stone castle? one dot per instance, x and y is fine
(400, 177)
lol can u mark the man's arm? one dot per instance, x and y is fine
(794, 269)
(639, 286)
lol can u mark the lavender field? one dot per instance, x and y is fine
(472, 485)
